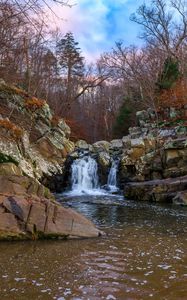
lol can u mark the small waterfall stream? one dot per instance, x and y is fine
(112, 177)
(84, 178)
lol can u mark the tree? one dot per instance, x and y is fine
(71, 65)
(163, 27)
(124, 119)
(169, 75)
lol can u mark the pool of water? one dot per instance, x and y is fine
(142, 256)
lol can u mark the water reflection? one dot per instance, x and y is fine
(143, 256)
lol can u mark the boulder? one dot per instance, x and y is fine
(29, 211)
(82, 145)
(101, 146)
(181, 198)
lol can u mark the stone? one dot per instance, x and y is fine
(104, 159)
(82, 145)
(172, 157)
(19, 207)
(101, 146)
(8, 226)
(9, 169)
(181, 198)
(156, 190)
(26, 213)
(137, 143)
(116, 144)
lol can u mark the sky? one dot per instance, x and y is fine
(98, 24)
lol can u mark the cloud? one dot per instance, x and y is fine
(97, 24)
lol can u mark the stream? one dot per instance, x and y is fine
(142, 256)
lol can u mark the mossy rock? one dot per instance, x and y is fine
(4, 158)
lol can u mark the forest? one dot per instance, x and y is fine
(104, 94)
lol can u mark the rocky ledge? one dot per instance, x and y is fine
(29, 211)
(165, 190)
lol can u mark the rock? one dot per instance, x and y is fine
(172, 157)
(126, 142)
(82, 145)
(104, 159)
(9, 169)
(26, 213)
(156, 190)
(181, 198)
(101, 146)
(137, 143)
(116, 144)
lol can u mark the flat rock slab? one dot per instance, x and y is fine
(163, 190)
(27, 218)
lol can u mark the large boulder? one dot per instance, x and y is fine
(29, 211)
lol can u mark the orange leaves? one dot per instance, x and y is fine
(34, 103)
(15, 131)
(175, 96)
(55, 120)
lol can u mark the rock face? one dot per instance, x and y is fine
(29, 211)
(32, 137)
(166, 190)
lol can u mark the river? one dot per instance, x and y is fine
(142, 256)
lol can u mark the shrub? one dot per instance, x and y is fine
(34, 103)
(15, 131)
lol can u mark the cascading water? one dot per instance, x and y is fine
(84, 178)
(112, 177)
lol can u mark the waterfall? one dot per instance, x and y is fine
(112, 176)
(84, 178)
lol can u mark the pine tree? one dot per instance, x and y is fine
(71, 64)
(70, 60)
(169, 75)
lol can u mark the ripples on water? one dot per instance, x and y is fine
(143, 256)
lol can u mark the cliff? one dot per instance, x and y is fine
(34, 144)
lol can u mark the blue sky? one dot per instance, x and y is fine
(97, 24)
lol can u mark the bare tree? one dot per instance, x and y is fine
(164, 26)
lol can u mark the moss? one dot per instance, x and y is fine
(4, 158)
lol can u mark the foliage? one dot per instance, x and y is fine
(15, 131)
(174, 97)
(124, 119)
(34, 103)
(70, 59)
(169, 75)
(7, 159)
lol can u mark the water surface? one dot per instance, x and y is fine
(143, 256)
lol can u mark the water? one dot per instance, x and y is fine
(112, 177)
(84, 177)
(143, 256)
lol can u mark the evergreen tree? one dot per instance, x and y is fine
(169, 75)
(71, 65)
(124, 119)
(69, 57)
